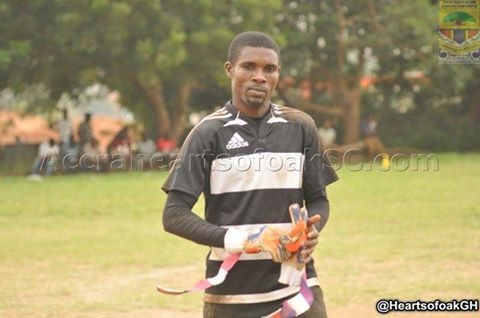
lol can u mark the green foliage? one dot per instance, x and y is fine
(137, 45)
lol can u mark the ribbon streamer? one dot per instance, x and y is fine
(203, 284)
(296, 305)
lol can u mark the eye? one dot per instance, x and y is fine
(270, 68)
(249, 66)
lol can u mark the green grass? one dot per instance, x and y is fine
(94, 245)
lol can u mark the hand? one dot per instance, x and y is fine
(268, 239)
(306, 250)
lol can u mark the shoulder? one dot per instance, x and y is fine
(294, 115)
(210, 124)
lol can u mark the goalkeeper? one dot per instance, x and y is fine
(253, 160)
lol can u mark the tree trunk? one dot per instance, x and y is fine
(171, 123)
(351, 116)
(179, 116)
(155, 96)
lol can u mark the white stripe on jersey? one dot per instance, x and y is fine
(213, 116)
(275, 120)
(259, 297)
(265, 170)
(236, 121)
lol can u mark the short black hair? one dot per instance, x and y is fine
(253, 39)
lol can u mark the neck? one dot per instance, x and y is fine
(253, 112)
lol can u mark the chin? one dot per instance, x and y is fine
(256, 103)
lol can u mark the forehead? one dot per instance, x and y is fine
(258, 55)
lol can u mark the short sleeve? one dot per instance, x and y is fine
(189, 172)
(318, 170)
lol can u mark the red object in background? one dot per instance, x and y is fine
(165, 145)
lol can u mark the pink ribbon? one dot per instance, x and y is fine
(203, 284)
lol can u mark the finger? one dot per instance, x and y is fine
(275, 256)
(306, 260)
(308, 250)
(313, 234)
(294, 209)
(303, 259)
(282, 252)
(311, 241)
(287, 255)
(313, 220)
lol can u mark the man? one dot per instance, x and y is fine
(373, 144)
(65, 130)
(64, 127)
(251, 159)
(85, 134)
(47, 156)
(327, 134)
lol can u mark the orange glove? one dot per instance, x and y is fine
(268, 239)
(297, 237)
(280, 243)
(296, 242)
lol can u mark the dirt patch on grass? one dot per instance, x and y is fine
(172, 277)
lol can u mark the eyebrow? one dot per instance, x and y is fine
(254, 63)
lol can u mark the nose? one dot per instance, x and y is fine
(259, 76)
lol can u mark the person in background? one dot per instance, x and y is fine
(85, 133)
(119, 150)
(70, 156)
(146, 149)
(327, 134)
(47, 155)
(165, 144)
(373, 144)
(65, 129)
(93, 159)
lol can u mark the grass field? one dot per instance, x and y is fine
(94, 246)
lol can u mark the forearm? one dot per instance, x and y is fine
(318, 204)
(179, 219)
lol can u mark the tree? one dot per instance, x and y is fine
(339, 57)
(153, 52)
(337, 49)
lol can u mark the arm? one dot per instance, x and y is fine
(179, 219)
(318, 204)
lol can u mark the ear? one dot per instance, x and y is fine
(228, 66)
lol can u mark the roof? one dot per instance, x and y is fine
(30, 129)
(34, 129)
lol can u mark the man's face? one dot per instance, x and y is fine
(253, 76)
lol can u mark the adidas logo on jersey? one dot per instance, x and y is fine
(236, 142)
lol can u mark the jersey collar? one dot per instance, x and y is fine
(242, 120)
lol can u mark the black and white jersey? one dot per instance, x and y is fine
(249, 174)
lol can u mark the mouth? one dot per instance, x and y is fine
(258, 90)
